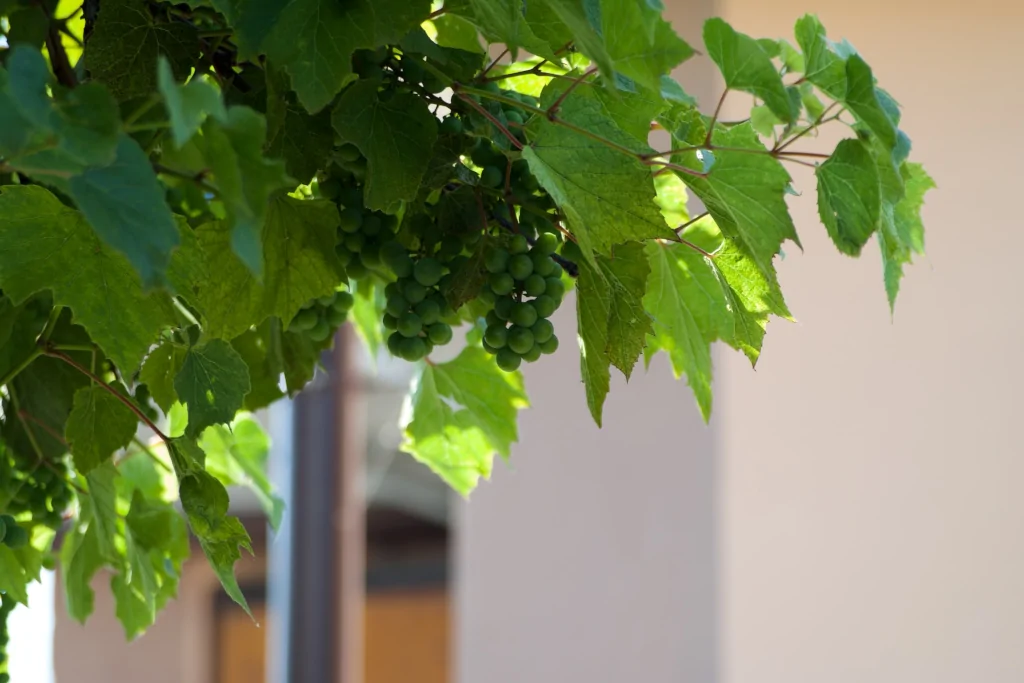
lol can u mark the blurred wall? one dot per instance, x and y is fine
(853, 512)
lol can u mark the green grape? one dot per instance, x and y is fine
(550, 346)
(572, 252)
(412, 348)
(409, 324)
(542, 264)
(503, 307)
(556, 269)
(508, 360)
(484, 154)
(496, 260)
(542, 330)
(427, 272)
(488, 348)
(546, 244)
(389, 321)
(520, 266)
(348, 153)
(371, 224)
(414, 291)
(335, 318)
(440, 333)
(513, 116)
(429, 311)
(555, 288)
(502, 283)
(428, 346)
(397, 258)
(491, 176)
(354, 241)
(343, 254)
(534, 285)
(492, 318)
(533, 354)
(343, 302)
(392, 289)
(496, 335)
(16, 537)
(432, 84)
(524, 315)
(325, 300)
(544, 305)
(397, 305)
(487, 296)
(321, 331)
(450, 126)
(520, 339)
(370, 254)
(394, 342)
(329, 188)
(351, 220)
(304, 320)
(518, 245)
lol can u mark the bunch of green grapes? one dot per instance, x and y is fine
(41, 490)
(526, 286)
(417, 312)
(6, 607)
(319, 318)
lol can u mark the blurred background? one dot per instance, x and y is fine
(852, 513)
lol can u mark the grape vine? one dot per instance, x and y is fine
(195, 197)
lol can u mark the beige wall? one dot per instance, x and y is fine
(872, 522)
(857, 497)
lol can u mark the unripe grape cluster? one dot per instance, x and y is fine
(11, 534)
(526, 287)
(319, 318)
(40, 490)
(416, 308)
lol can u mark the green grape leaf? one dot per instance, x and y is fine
(302, 139)
(205, 502)
(902, 232)
(53, 137)
(80, 559)
(849, 196)
(98, 425)
(455, 32)
(504, 21)
(187, 105)
(233, 150)
(862, 98)
(611, 320)
(822, 65)
(158, 372)
(313, 40)
(134, 596)
(746, 66)
(396, 138)
(17, 569)
(20, 325)
(50, 246)
(44, 394)
(127, 27)
(299, 265)
(259, 348)
(212, 383)
(629, 38)
(459, 414)
(744, 192)
(238, 457)
(125, 204)
(607, 196)
(101, 500)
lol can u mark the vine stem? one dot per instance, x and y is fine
(693, 246)
(817, 122)
(16, 370)
(714, 117)
(684, 226)
(436, 13)
(196, 178)
(144, 448)
(54, 353)
(150, 102)
(493, 64)
(553, 109)
(493, 119)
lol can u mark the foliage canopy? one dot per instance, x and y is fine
(195, 196)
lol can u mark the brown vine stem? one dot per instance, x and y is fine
(553, 109)
(493, 119)
(696, 248)
(493, 64)
(684, 226)
(714, 117)
(54, 353)
(817, 122)
(436, 13)
(196, 178)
